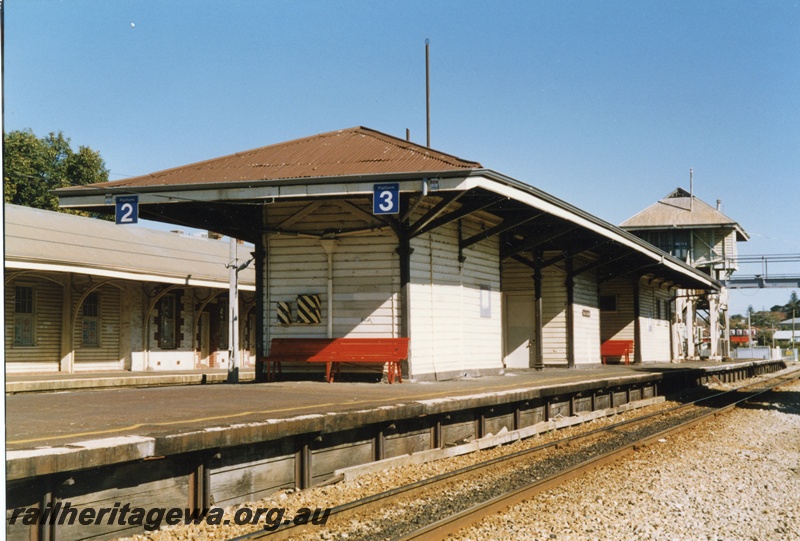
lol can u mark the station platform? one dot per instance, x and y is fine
(57, 381)
(53, 431)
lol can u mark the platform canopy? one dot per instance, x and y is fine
(42, 240)
(229, 194)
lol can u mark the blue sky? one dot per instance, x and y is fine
(604, 104)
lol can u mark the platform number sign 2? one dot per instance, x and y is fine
(127, 209)
(386, 199)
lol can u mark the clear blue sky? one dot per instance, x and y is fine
(604, 104)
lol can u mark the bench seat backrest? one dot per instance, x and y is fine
(616, 347)
(339, 349)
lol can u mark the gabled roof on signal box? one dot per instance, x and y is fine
(680, 209)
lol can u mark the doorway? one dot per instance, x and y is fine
(520, 350)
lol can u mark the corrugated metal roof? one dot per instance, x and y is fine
(680, 209)
(91, 246)
(786, 335)
(355, 151)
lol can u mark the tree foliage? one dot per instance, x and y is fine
(33, 166)
(792, 305)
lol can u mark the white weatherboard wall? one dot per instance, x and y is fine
(366, 272)
(517, 281)
(586, 317)
(618, 324)
(554, 315)
(655, 327)
(366, 282)
(456, 312)
(518, 278)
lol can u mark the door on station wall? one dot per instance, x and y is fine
(205, 338)
(520, 337)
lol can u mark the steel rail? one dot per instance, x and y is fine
(467, 517)
(382, 499)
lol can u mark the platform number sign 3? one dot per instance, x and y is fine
(386, 199)
(127, 209)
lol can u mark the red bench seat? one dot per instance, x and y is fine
(334, 351)
(617, 348)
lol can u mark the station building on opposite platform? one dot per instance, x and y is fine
(86, 295)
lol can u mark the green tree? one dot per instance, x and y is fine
(793, 304)
(32, 167)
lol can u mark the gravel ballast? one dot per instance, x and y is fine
(734, 478)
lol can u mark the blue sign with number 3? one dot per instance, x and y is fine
(127, 209)
(386, 199)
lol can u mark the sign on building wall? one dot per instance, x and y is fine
(308, 309)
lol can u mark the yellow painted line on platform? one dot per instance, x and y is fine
(263, 412)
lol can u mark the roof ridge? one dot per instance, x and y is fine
(345, 156)
(415, 147)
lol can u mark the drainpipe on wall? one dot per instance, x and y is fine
(329, 245)
(713, 325)
(233, 313)
(66, 364)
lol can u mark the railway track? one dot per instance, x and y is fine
(435, 507)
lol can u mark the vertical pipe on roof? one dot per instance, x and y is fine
(428, 91)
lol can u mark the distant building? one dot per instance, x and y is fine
(787, 327)
(85, 295)
(702, 236)
(691, 230)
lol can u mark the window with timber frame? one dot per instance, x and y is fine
(24, 317)
(91, 321)
(167, 322)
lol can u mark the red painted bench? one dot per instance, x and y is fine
(617, 348)
(334, 351)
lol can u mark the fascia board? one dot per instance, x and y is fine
(257, 189)
(123, 275)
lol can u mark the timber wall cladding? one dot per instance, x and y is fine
(449, 330)
(586, 316)
(104, 355)
(554, 314)
(45, 354)
(654, 323)
(366, 285)
(366, 282)
(618, 324)
(517, 277)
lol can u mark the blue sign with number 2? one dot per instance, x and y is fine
(386, 199)
(127, 209)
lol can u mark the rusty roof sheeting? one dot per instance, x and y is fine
(354, 151)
